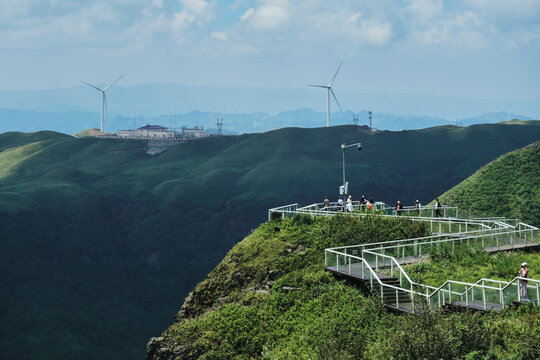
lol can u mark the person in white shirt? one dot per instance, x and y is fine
(349, 204)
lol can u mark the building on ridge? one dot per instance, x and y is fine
(148, 132)
(194, 132)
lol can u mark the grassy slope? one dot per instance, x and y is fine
(471, 266)
(508, 186)
(109, 240)
(270, 298)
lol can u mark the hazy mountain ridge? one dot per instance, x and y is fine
(154, 99)
(76, 121)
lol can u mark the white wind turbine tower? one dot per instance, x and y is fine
(329, 90)
(103, 97)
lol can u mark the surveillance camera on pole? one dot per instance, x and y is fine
(344, 189)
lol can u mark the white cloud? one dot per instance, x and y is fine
(270, 15)
(247, 14)
(425, 10)
(220, 35)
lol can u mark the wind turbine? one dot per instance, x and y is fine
(103, 97)
(329, 90)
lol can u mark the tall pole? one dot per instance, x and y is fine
(102, 108)
(343, 148)
(343, 152)
(328, 110)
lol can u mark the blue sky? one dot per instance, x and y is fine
(470, 48)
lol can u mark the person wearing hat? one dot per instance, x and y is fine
(523, 272)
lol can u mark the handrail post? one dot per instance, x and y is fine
(450, 293)
(397, 299)
(501, 296)
(537, 295)
(484, 300)
(337, 262)
(466, 296)
(412, 300)
(350, 272)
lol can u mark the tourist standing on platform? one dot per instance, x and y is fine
(362, 200)
(523, 272)
(340, 204)
(369, 206)
(326, 203)
(437, 208)
(349, 204)
(399, 207)
(417, 207)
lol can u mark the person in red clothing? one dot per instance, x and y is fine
(399, 207)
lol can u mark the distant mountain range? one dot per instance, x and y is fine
(74, 121)
(244, 109)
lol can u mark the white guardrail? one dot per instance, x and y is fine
(379, 264)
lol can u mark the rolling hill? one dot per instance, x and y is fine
(509, 186)
(101, 242)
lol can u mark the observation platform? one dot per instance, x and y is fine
(378, 266)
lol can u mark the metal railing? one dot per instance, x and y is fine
(371, 261)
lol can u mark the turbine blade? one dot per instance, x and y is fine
(321, 86)
(95, 87)
(335, 98)
(117, 80)
(334, 78)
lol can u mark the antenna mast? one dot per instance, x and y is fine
(355, 119)
(220, 126)
(370, 117)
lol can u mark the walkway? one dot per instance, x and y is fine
(378, 266)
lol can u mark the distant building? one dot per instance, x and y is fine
(194, 132)
(147, 132)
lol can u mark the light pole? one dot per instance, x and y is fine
(344, 189)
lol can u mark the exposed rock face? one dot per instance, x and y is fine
(184, 313)
(157, 349)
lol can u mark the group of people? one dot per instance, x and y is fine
(417, 207)
(348, 205)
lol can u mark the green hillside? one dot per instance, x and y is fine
(509, 186)
(270, 298)
(101, 242)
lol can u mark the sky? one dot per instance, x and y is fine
(486, 49)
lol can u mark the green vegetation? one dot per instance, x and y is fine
(470, 265)
(101, 242)
(88, 132)
(508, 186)
(270, 298)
